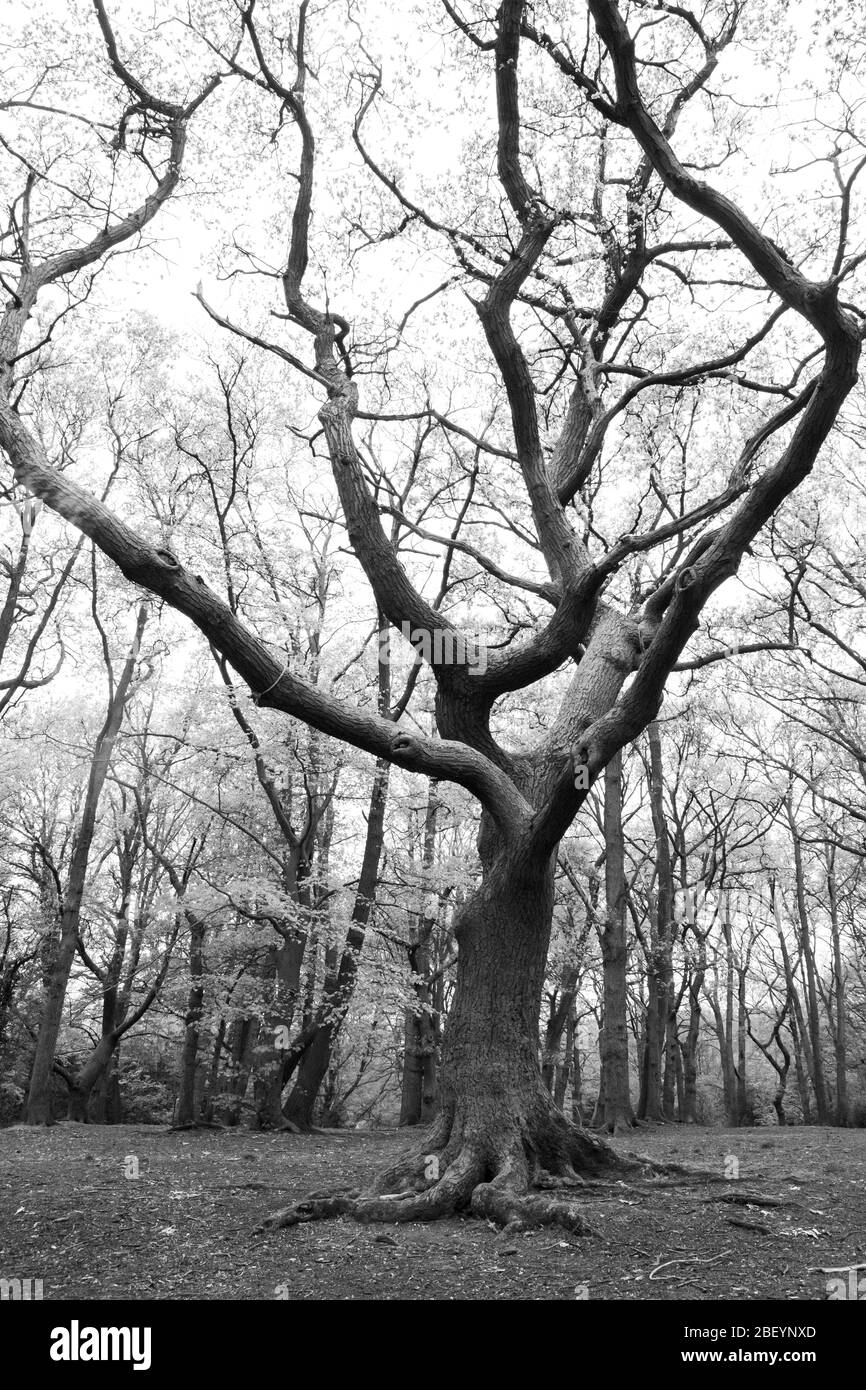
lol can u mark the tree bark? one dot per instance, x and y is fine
(614, 1111)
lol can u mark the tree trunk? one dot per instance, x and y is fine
(840, 1020)
(799, 1039)
(243, 1036)
(614, 1112)
(658, 1099)
(564, 1070)
(561, 1004)
(39, 1098)
(689, 1046)
(816, 1061)
(92, 1071)
(742, 1099)
(107, 1104)
(420, 1084)
(726, 1058)
(340, 983)
(283, 972)
(498, 1124)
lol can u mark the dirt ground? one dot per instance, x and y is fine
(74, 1213)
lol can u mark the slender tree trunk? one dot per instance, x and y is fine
(816, 1066)
(726, 1058)
(561, 1004)
(614, 1111)
(563, 1075)
(659, 964)
(781, 1068)
(419, 1087)
(186, 1107)
(116, 1022)
(742, 1099)
(210, 1084)
(689, 1113)
(39, 1098)
(340, 983)
(796, 1023)
(840, 1010)
(672, 1062)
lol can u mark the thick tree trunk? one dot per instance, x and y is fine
(498, 1123)
(498, 1130)
(311, 1072)
(107, 1105)
(92, 1072)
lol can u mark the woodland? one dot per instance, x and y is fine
(432, 593)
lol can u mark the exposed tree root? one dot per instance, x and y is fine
(540, 1173)
(507, 1200)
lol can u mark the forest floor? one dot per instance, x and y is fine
(73, 1214)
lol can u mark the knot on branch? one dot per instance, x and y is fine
(404, 746)
(168, 559)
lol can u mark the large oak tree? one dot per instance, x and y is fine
(599, 221)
